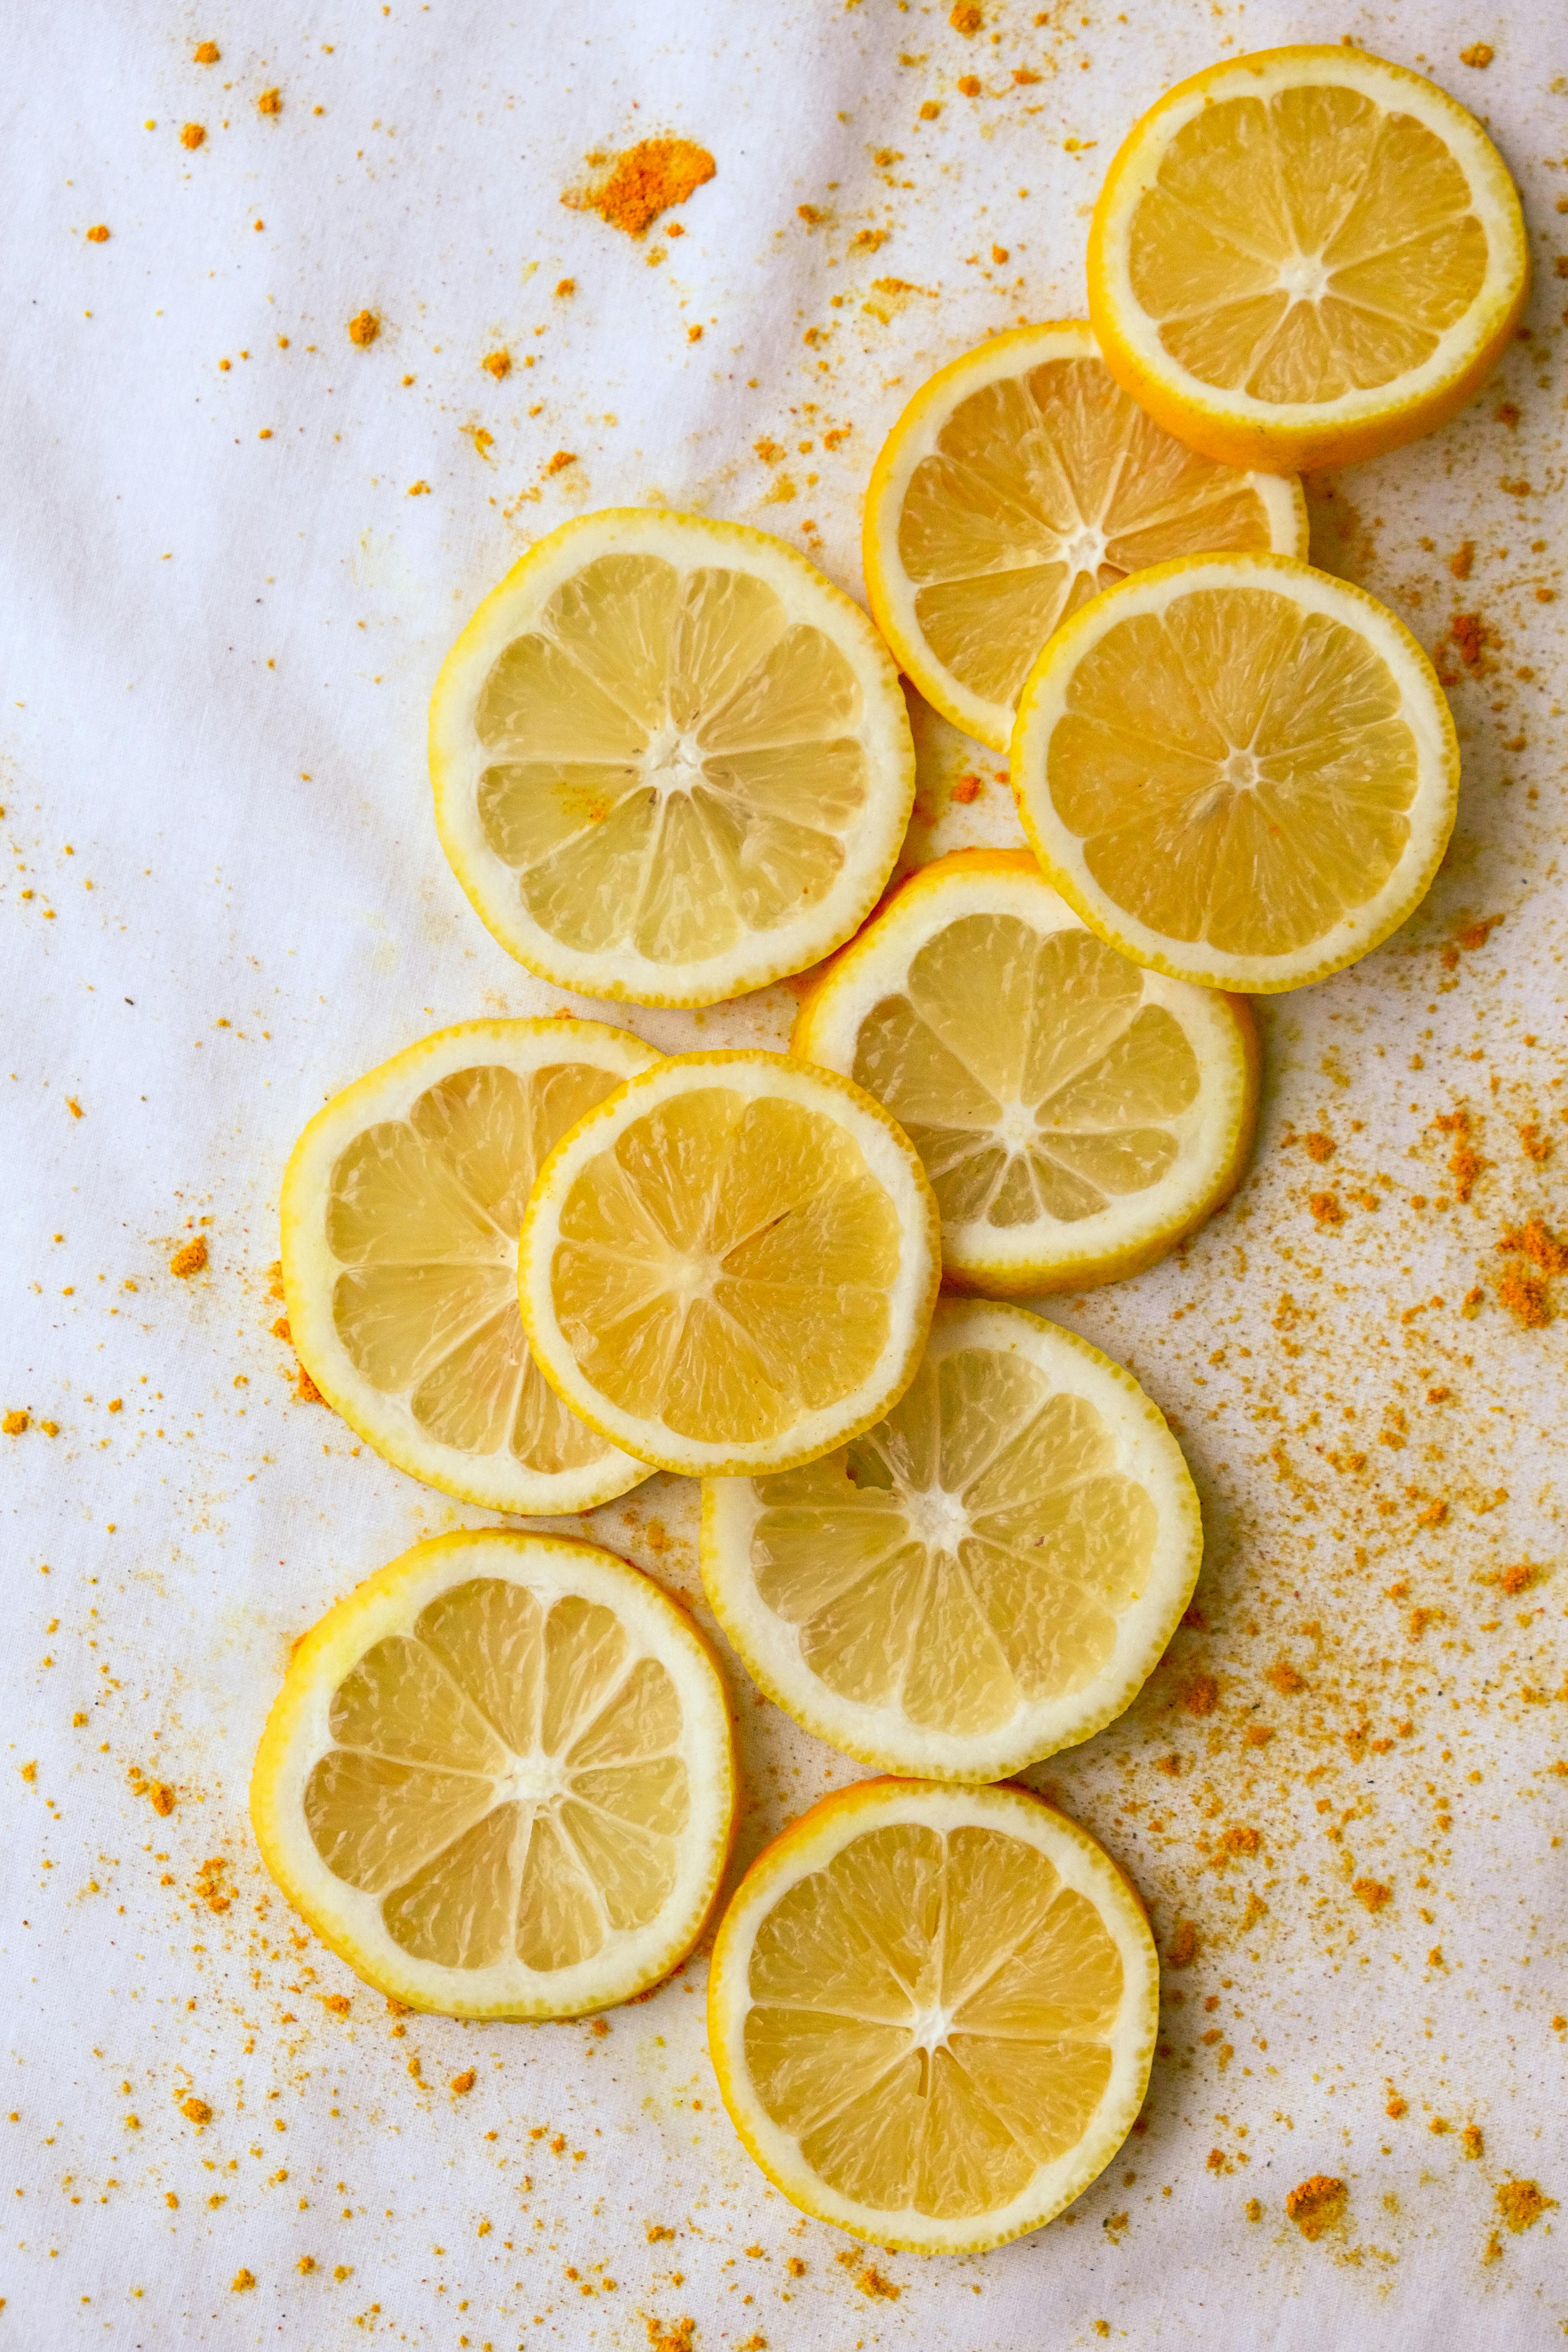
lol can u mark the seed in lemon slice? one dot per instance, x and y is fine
(1239, 770)
(1304, 258)
(988, 1575)
(499, 1780)
(731, 1265)
(401, 1209)
(932, 2012)
(672, 761)
(1016, 484)
(1078, 1116)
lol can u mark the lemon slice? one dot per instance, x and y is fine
(988, 1575)
(1239, 770)
(498, 1780)
(1017, 483)
(1304, 258)
(671, 760)
(1077, 1116)
(932, 2012)
(401, 1209)
(731, 1265)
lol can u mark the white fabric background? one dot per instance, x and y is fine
(219, 651)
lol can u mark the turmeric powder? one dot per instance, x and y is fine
(647, 180)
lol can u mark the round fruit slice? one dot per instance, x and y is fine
(401, 1209)
(499, 1778)
(988, 1575)
(1017, 483)
(671, 760)
(1078, 1116)
(732, 1264)
(1239, 770)
(932, 2012)
(1305, 258)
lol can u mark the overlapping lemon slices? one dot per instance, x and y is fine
(401, 1208)
(932, 2012)
(1304, 258)
(1238, 769)
(1019, 481)
(499, 1778)
(671, 760)
(732, 1264)
(988, 1575)
(1076, 1115)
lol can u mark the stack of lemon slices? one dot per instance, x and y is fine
(532, 1261)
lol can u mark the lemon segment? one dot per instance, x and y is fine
(932, 2012)
(401, 1208)
(1239, 770)
(1076, 1115)
(1017, 483)
(672, 761)
(986, 1576)
(1304, 258)
(730, 1264)
(499, 1778)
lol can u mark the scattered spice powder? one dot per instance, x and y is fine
(1396, 2106)
(363, 328)
(965, 18)
(462, 2083)
(647, 180)
(1472, 2140)
(1315, 2205)
(1479, 55)
(1183, 1948)
(192, 135)
(497, 364)
(191, 1257)
(562, 459)
(675, 2337)
(269, 102)
(243, 2281)
(14, 1424)
(1471, 636)
(205, 53)
(967, 789)
(1200, 1694)
(99, 235)
(195, 2111)
(1372, 1892)
(1522, 2204)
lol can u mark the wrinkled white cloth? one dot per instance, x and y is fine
(235, 546)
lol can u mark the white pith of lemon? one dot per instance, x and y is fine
(401, 1207)
(1304, 258)
(989, 1574)
(499, 1780)
(1239, 770)
(932, 2012)
(731, 1265)
(1017, 483)
(1078, 1115)
(671, 760)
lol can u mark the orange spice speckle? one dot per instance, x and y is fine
(1396, 2106)
(269, 102)
(243, 2281)
(647, 180)
(1479, 55)
(205, 53)
(190, 1258)
(562, 459)
(99, 235)
(965, 17)
(1316, 2204)
(462, 2083)
(14, 1424)
(1522, 2204)
(191, 136)
(497, 364)
(363, 328)
(967, 789)
(1200, 1694)
(195, 2111)
(1372, 1892)
(305, 1389)
(1472, 2140)
(1183, 1948)
(1326, 1209)
(969, 85)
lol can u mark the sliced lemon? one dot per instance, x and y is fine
(931, 2013)
(1016, 484)
(401, 1209)
(1239, 770)
(988, 1575)
(671, 760)
(1304, 258)
(499, 1778)
(731, 1265)
(1078, 1116)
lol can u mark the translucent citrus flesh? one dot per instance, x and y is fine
(1236, 770)
(930, 2018)
(966, 1557)
(724, 1266)
(1306, 246)
(670, 762)
(505, 1779)
(1044, 488)
(422, 1217)
(1027, 1071)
